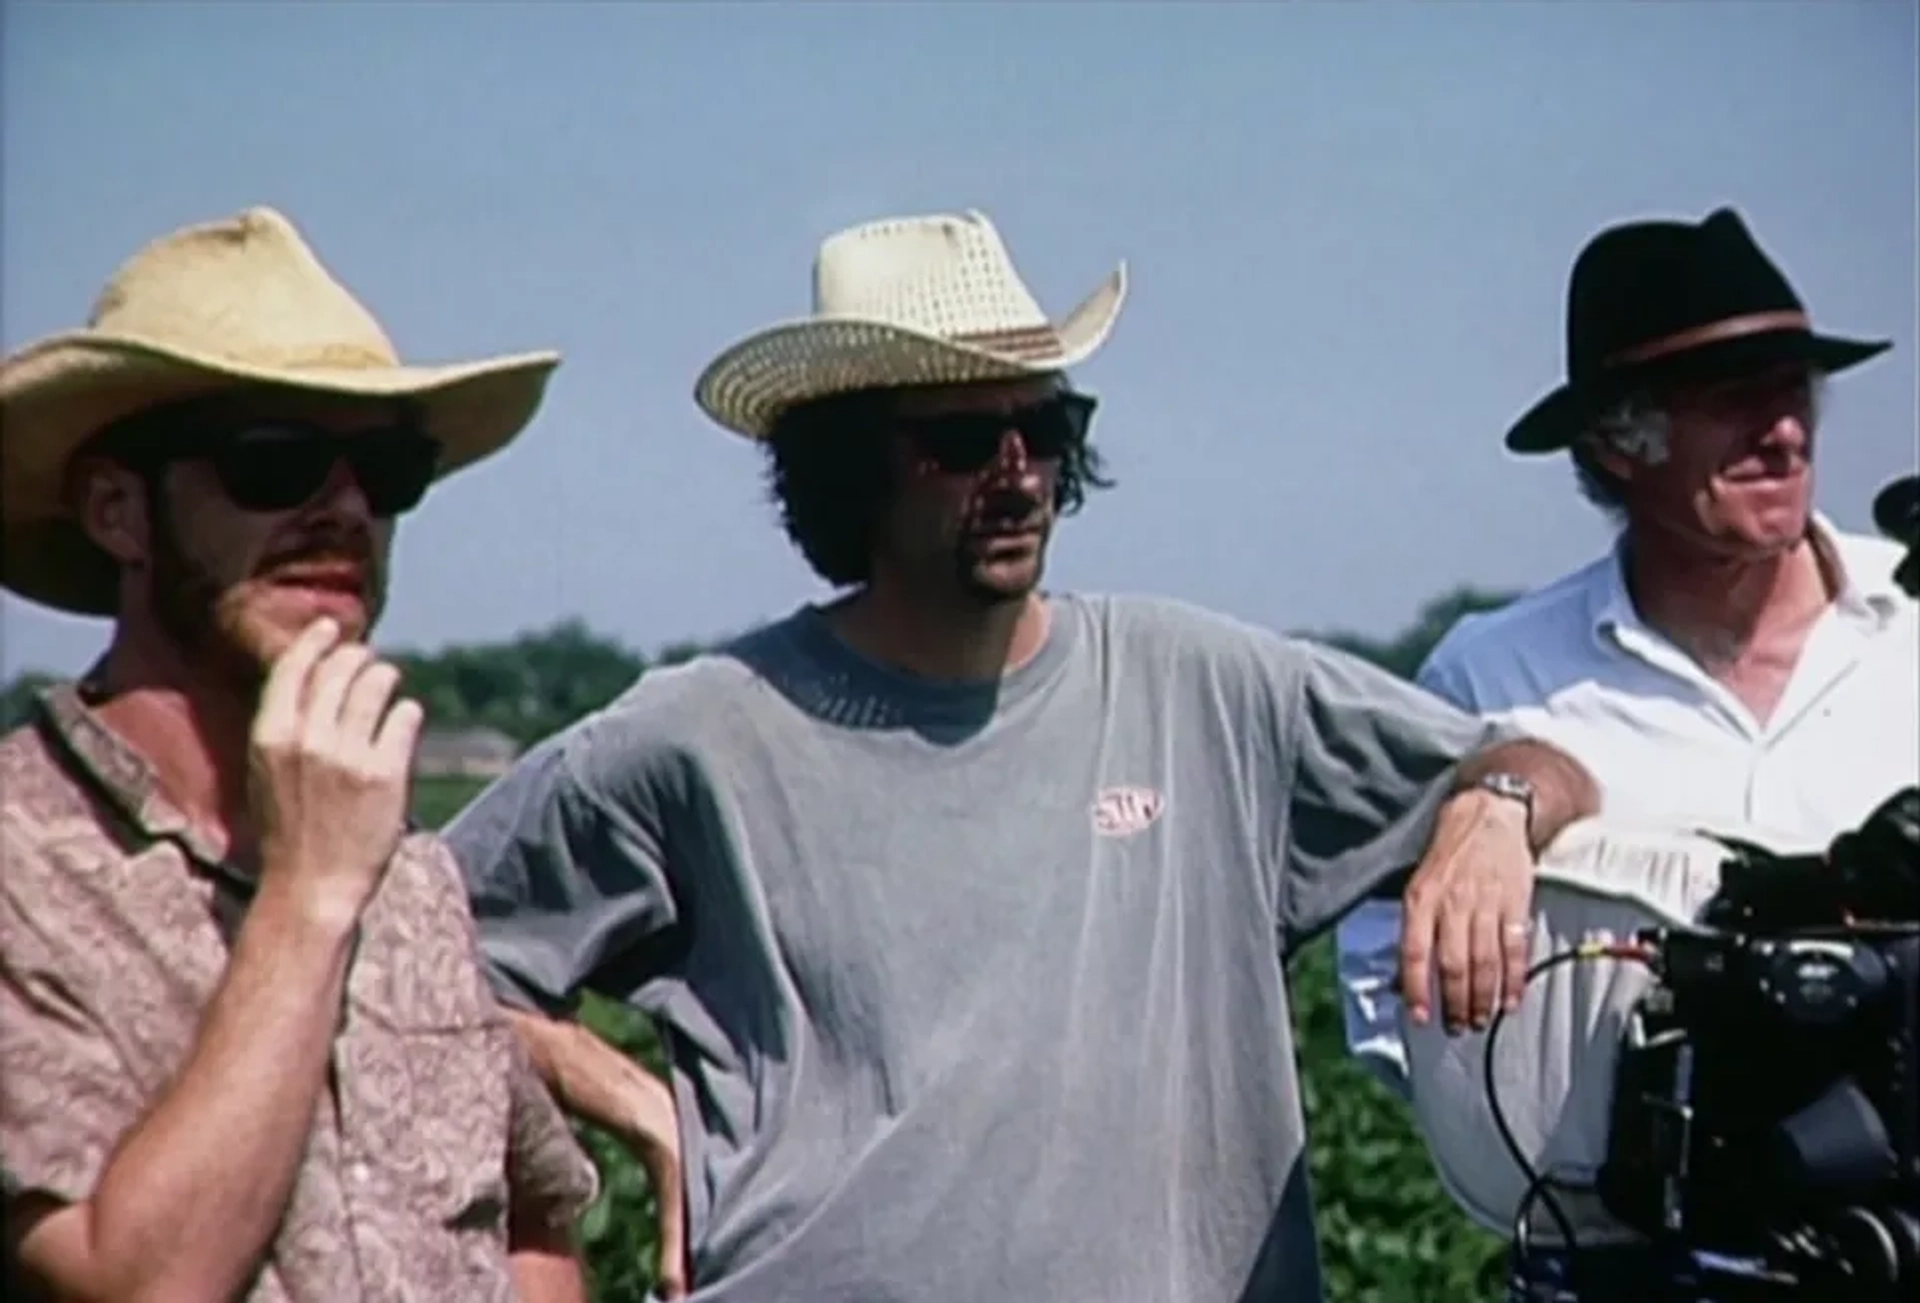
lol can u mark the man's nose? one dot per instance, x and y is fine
(1787, 432)
(342, 496)
(1012, 457)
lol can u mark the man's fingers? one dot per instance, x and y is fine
(1455, 962)
(327, 688)
(280, 698)
(1422, 955)
(367, 699)
(398, 734)
(1516, 952)
(1486, 965)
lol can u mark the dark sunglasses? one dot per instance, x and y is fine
(961, 443)
(280, 465)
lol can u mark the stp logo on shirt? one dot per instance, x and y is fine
(1125, 811)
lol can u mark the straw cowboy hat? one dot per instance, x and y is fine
(1654, 302)
(211, 307)
(904, 301)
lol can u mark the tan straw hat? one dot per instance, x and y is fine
(208, 308)
(904, 301)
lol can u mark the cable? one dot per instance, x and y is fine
(1522, 1217)
(1538, 1183)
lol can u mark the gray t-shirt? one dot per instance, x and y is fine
(972, 992)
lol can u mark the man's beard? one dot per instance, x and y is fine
(187, 605)
(971, 553)
(205, 617)
(978, 581)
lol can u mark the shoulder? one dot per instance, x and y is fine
(60, 888)
(1554, 616)
(1165, 625)
(671, 712)
(1178, 641)
(27, 766)
(44, 805)
(1869, 562)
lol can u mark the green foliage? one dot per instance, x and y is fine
(1389, 1234)
(619, 1229)
(527, 687)
(1404, 652)
(437, 798)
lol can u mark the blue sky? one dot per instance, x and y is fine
(1349, 228)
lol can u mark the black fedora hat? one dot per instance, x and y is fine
(1896, 509)
(1654, 302)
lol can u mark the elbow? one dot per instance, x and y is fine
(137, 1279)
(70, 1253)
(102, 1283)
(1582, 789)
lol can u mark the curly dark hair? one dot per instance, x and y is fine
(829, 471)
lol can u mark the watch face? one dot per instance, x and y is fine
(1509, 785)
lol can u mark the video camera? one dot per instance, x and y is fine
(1766, 1107)
(1766, 1104)
(1896, 510)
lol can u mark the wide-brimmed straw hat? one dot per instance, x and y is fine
(208, 308)
(904, 301)
(1658, 302)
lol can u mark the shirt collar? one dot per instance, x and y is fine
(1867, 586)
(1865, 594)
(118, 773)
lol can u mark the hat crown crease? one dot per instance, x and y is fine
(247, 289)
(946, 276)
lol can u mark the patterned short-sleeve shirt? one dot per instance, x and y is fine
(116, 921)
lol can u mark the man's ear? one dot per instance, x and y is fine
(110, 501)
(1614, 460)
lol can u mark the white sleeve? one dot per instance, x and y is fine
(1367, 966)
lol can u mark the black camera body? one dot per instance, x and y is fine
(1896, 512)
(1766, 1111)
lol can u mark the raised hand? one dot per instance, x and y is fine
(328, 768)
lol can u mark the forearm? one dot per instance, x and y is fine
(1564, 792)
(190, 1199)
(597, 1083)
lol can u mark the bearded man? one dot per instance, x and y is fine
(245, 1045)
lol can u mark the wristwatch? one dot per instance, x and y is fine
(1510, 785)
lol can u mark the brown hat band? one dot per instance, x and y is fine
(1753, 323)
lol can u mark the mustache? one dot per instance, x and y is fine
(344, 547)
(1007, 506)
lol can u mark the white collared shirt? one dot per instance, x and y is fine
(1574, 664)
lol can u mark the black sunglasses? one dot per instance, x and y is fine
(961, 443)
(280, 465)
